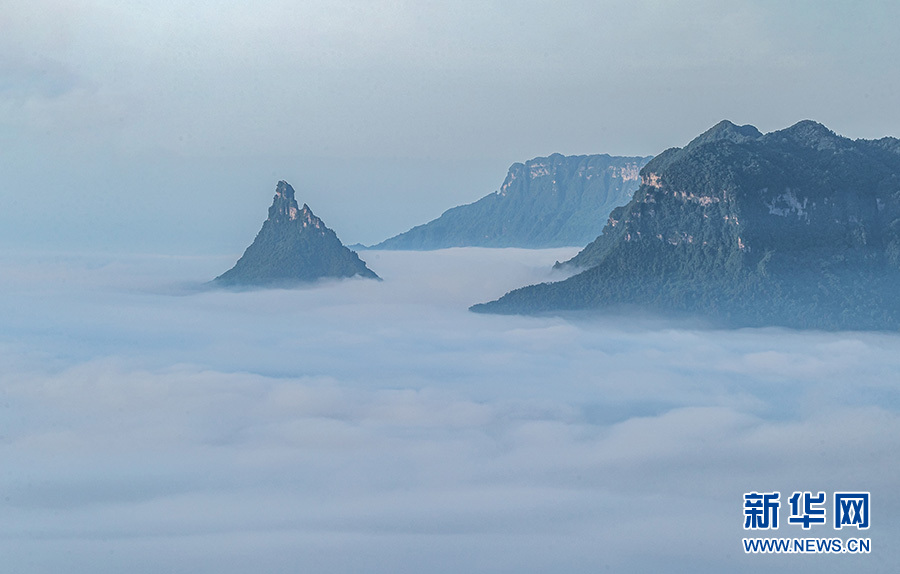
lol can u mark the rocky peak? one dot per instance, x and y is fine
(284, 189)
(808, 133)
(293, 245)
(307, 218)
(725, 130)
(284, 206)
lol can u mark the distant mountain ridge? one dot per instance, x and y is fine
(293, 246)
(798, 227)
(550, 201)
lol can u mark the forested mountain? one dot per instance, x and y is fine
(545, 202)
(293, 246)
(798, 227)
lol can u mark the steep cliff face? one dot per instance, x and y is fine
(797, 227)
(293, 246)
(545, 202)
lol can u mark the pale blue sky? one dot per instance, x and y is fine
(383, 114)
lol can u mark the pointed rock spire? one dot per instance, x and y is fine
(293, 245)
(284, 206)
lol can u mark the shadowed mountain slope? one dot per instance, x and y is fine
(293, 246)
(798, 227)
(546, 202)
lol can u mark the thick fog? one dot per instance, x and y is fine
(118, 119)
(149, 425)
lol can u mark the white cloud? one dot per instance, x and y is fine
(380, 426)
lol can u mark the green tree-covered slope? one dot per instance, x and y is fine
(546, 202)
(798, 227)
(293, 246)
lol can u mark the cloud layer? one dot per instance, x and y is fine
(361, 426)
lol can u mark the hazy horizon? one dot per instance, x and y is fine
(162, 126)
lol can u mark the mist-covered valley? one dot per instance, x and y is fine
(151, 424)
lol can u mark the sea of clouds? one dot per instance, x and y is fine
(150, 425)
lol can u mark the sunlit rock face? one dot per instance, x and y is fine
(798, 227)
(550, 201)
(293, 246)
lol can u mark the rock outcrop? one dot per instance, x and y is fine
(293, 246)
(545, 202)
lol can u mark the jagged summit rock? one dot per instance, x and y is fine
(293, 246)
(725, 130)
(549, 201)
(798, 227)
